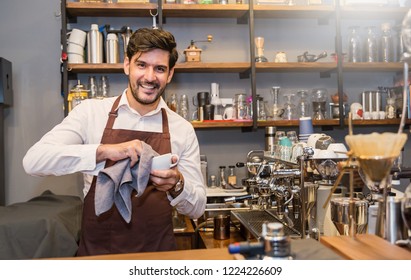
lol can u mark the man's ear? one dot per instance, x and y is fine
(170, 75)
(126, 66)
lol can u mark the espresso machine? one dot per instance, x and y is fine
(278, 193)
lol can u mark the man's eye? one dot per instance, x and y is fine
(161, 69)
(140, 65)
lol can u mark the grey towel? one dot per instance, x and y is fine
(115, 183)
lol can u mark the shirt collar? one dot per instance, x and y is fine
(124, 104)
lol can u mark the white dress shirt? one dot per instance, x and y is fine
(71, 147)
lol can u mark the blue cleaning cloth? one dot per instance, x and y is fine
(115, 184)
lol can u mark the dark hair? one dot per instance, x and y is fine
(146, 39)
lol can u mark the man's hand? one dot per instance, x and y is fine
(165, 180)
(115, 152)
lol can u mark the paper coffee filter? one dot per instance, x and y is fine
(385, 144)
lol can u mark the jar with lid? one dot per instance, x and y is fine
(232, 178)
(390, 110)
(77, 94)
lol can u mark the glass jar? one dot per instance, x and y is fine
(387, 44)
(232, 178)
(371, 46)
(354, 45)
(390, 109)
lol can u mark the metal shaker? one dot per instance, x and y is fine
(94, 45)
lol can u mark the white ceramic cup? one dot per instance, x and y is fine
(74, 48)
(163, 162)
(75, 58)
(77, 36)
(228, 113)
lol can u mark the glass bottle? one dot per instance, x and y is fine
(387, 43)
(354, 45)
(232, 178)
(371, 46)
(223, 181)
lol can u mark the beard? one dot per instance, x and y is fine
(146, 99)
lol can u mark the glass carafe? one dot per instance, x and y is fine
(290, 110)
(319, 100)
(303, 107)
(277, 107)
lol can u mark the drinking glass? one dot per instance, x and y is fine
(290, 110)
(277, 108)
(304, 109)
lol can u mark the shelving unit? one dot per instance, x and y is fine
(244, 14)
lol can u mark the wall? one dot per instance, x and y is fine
(30, 39)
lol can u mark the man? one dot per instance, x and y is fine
(98, 133)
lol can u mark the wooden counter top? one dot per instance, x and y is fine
(365, 247)
(199, 254)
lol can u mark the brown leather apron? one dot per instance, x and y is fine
(151, 226)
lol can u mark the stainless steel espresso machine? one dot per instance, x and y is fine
(278, 193)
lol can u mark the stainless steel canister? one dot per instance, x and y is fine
(391, 227)
(94, 45)
(269, 138)
(112, 53)
(222, 227)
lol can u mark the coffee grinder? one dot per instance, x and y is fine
(193, 53)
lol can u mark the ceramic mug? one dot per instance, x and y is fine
(77, 36)
(228, 113)
(163, 162)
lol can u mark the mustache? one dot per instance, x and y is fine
(150, 84)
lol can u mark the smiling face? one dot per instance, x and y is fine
(148, 75)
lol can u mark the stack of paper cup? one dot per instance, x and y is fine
(75, 45)
(306, 129)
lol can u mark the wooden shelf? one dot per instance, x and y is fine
(221, 124)
(212, 67)
(372, 66)
(184, 67)
(293, 123)
(296, 67)
(205, 10)
(285, 11)
(372, 12)
(82, 9)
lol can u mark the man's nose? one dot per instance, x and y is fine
(149, 74)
